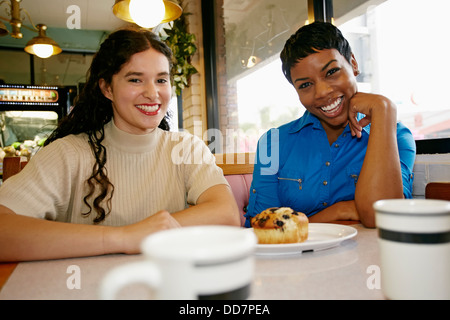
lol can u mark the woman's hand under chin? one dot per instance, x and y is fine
(372, 106)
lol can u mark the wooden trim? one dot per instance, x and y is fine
(438, 190)
(235, 163)
(12, 166)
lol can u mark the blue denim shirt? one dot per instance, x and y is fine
(296, 167)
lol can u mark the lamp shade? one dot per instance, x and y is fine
(42, 46)
(121, 10)
(173, 11)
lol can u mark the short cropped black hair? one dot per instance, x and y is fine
(308, 40)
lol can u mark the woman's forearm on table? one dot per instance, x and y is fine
(214, 206)
(380, 176)
(24, 238)
(343, 210)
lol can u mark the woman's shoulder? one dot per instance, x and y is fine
(176, 134)
(292, 126)
(61, 156)
(72, 144)
(405, 138)
(72, 140)
(285, 132)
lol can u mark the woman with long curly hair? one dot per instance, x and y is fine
(112, 172)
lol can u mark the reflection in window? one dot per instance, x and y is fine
(403, 57)
(31, 126)
(400, 53)
(257, 96)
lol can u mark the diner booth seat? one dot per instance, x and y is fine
(437, 190)
(12, 166)
(238, 170)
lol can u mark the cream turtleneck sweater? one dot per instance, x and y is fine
(157, 171)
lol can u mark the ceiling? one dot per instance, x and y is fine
(95, 21)
(95, 15)
(256, 30)
(96, 18)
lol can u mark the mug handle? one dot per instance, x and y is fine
(144, 272)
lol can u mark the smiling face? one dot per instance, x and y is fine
(140, 92)
(325, 82)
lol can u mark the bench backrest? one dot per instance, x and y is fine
(238, 170)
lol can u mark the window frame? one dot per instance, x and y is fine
(209, 48)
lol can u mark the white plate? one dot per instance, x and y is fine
(320, 236)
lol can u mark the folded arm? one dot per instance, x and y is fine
(25, 238)
(216, 205)
(380, 176)
(343, 210)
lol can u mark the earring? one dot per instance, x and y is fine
(357, 73)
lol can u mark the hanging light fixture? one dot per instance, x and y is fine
(147, 13)
(41, 46)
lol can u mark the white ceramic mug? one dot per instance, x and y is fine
(414, 239)
(203, 262)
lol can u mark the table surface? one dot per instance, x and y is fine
(347, 271)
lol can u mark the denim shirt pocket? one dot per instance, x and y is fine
(299, 181)
(291, 186)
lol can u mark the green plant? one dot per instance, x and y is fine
(183, 47)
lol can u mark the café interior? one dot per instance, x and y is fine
(234, 43)
(221, 96)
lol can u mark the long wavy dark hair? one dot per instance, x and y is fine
(92, 110)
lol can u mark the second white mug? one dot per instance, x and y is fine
(414, 239)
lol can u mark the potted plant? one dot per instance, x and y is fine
(183, 47)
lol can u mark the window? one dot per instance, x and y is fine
(399, 45)
(65, 69)
(402, 52)
(254, 96)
